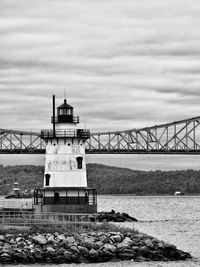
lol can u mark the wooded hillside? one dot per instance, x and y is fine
(109, 180)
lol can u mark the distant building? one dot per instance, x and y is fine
(65, 180)
(178, 193)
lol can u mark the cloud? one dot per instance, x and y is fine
(125, 65)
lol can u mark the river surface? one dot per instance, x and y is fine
(174, 219)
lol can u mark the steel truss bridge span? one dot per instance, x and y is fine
(179, 137)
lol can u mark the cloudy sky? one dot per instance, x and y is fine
(125, 64)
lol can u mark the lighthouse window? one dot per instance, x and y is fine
(69, 112)
(64, 112)
(79, 162)
(60, 112)
(47, 177)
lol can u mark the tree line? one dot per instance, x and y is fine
(109, 180)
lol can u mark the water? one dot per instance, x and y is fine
(175, 219)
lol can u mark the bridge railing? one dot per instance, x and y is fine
(177, 137)
(20, 142)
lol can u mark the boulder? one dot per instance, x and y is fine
(161, 244)
(2, 238)
(84, 251)
(40, 239)
(70, 240)
(129, 250)
(6, 248)
(5, 258)
(140, 258)
(63, 243)
(38, 254)
(178, 255)
(74, 248)
(184, 255)
(106, 253)
(126, 256)
(127, 242)
(114, 217)
(110, 248)
(9, 236)
(31, 258)
(84, 260)
(5, 255)
(50, 249)
(51, 239)
(89, 242)
(12, 241)
(20, 257)
(59, 259)
(68, 256)
(119, 218)
(98, 244)
(18, 239)
(93, 253)
(62, 238)
(135, 248)
(116, 238)
(170, 246)
(105, 239)
(145, 252)
(149, 243)
(75, 257)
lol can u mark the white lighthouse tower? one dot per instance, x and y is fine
(65, 179)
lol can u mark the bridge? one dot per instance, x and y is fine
(179, 137)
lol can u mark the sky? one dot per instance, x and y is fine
(124, 64)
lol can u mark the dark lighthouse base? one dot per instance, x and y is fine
(65, 200)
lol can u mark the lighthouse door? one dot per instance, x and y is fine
(56, 197)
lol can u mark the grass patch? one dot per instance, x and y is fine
(98, 227)
(112, 227)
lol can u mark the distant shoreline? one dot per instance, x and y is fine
(133, 195)
(110, 180)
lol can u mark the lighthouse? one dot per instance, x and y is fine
(65, 187)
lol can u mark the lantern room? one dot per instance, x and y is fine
(65, 114)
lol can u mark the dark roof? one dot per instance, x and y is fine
(67, 188)
(65, 105)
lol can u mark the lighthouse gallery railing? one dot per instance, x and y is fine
(77, 133)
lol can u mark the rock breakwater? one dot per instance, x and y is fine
(85, 248)
(114, 217)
